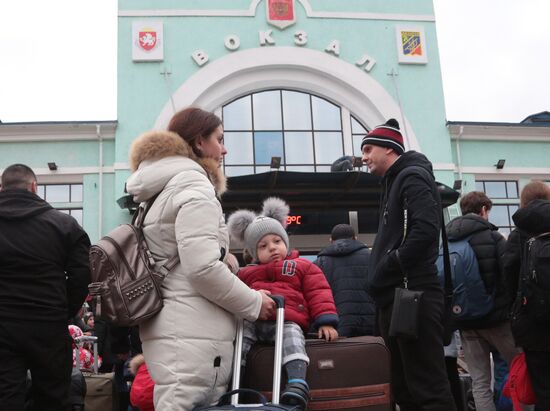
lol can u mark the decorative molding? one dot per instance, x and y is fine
(363, 15)
(444, 166)
(312, 71)
(26, 132)
(67, 172)
(496, 132)
(121, 166)
(505, 172)
(251, 12)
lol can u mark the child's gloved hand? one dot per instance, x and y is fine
(328, 332)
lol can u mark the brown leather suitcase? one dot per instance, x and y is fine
(350, 374)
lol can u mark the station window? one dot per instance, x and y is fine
(304, 130)
(65, 197)
(498, 189)
(505, 197)
(357, 132)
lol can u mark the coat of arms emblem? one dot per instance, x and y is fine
(280, 13)
(147, 39)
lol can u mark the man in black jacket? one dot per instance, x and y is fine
(407, 245)
(345, 262)
(481, 336)
(44, 275)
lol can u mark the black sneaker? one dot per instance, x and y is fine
(296, 392)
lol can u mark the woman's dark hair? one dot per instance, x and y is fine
(193, 123)
(474, 201)
(535, 190)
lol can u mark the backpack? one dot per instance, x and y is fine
(535, 279)
(125, 281)
(471, 300)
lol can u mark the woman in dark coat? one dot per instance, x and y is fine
(533, 218)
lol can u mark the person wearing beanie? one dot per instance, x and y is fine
(407, 242)
(308, 298)
(345, 264)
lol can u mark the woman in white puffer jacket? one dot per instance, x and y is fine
(188, 346)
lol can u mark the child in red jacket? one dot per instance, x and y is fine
(141, 393)
(308, 297)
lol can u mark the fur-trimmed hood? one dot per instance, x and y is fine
(135, 363)
(156, 156)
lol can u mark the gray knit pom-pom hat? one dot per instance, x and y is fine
(247, 228)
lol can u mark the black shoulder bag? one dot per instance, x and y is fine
(406, 303)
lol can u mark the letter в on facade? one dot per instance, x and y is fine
(200, 57)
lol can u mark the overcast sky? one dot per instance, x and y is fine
(58, 59)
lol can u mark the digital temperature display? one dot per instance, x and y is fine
(294, 220)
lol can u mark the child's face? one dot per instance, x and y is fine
(271, 248)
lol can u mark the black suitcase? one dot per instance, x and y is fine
(230, 400)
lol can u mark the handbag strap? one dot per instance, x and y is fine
(405, 226)
(137, 221)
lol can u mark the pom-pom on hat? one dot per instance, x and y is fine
(247, 229)
(386, 135)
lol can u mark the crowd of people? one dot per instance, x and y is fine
(182, 358)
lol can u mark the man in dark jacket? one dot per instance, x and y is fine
(491, 332)
(344, 263)
(44, 275)
(407, 244)
(531, 334)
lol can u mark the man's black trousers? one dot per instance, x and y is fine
(418, 375)
(44, 348)
(538, 367)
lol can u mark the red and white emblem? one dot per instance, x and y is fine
(281, 13)
(147, 39)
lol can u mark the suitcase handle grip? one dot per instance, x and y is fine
(279, 300)
(224, 399)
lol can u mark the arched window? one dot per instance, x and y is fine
(304, 130)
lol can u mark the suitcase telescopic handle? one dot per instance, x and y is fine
(277, 362)
(278, 356)
(279, 300)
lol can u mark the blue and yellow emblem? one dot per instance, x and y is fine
(411, 43)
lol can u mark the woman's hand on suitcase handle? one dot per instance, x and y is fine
(268, 306)
(328, 332)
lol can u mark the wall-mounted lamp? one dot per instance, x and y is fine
(500, 164)
(457, 185)
(357, 162)
(52, 166)
(275, 162)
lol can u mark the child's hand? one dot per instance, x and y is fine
(328, 332)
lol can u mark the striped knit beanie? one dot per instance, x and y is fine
(386, 135)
